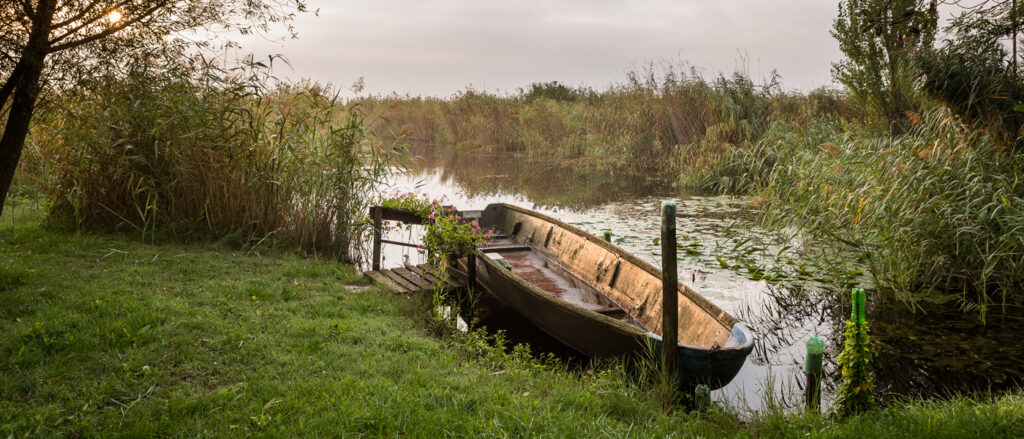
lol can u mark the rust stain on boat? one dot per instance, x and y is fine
(523, 266)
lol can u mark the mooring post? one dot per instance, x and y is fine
(669, 286)
(608, 235)
(377, 215)
(813, 370)
(857, 313)
(467, 298)
(471, 271)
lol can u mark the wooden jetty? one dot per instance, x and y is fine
(410, 278)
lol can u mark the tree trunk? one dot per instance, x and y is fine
(16, 130)
(26, 90)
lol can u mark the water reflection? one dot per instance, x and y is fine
(923, 353)
(544, 184)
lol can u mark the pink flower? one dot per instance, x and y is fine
(477, 224)
(420, 246)
(431, 216)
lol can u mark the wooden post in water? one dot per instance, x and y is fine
(471, 271)
(467, 297)
(608, 235)
(377, 215)
(812, 369)
(669, 286)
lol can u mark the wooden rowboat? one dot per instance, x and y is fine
(599, 299)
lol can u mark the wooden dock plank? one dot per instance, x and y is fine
(430, 277)
(421, 283)
(398, 279)
(424, 274)
(376, 276)
(412, 278)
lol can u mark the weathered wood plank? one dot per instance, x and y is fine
(432, 278)
(403, 244)
(505, 248)
(420, 283)
(395, 214)
(375, 213)
(409, 286)
(376, 276)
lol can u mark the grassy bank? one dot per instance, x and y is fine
(114, 337)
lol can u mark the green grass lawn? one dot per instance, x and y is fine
(106, 336)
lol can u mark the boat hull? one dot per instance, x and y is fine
(598, 335)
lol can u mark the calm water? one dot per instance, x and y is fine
(918, 353)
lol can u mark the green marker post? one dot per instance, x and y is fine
(813, 371)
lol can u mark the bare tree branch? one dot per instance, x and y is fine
(110, 31)
(82, 25)
(8, 87)
(27, 7)
(85, 11)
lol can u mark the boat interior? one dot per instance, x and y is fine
(551, 277)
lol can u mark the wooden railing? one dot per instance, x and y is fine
(379, 214)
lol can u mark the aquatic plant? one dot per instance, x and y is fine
(856, 394)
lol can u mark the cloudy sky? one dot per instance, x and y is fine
(438, 47)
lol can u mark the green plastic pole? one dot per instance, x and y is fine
(857, 313)
(813, 371)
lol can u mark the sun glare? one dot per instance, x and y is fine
(114, 16)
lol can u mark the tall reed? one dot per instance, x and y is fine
(666, 121)
(202, 150)
(937, 214)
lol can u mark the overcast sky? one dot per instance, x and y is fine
(438, 47)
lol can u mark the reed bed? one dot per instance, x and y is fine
(664, 121)
(201, 150)
(933, 214)
(936, 214)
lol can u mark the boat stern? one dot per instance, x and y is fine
(715, 366)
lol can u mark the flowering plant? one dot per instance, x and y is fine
(448, 234)
(409, 201)
(446, 231)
